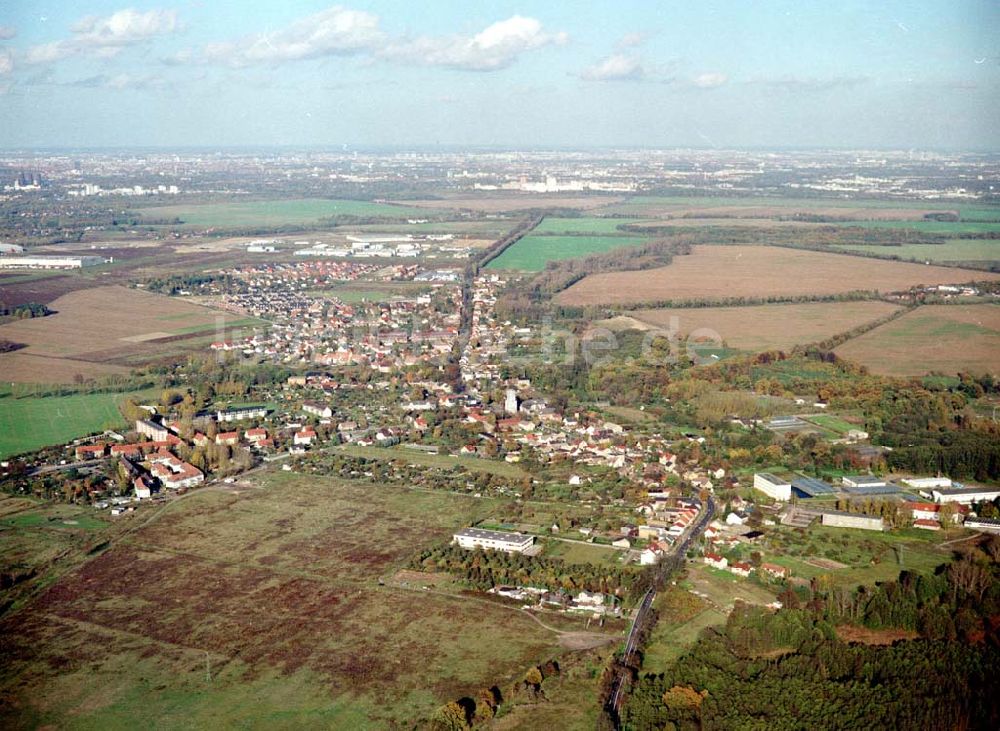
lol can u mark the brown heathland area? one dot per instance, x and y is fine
(720, 272)
(102, 325)
(274, 591)
(769, 326)
(940, 338)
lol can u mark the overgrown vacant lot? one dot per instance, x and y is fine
(262, 609)
(945, 338)
(768, 326)
(296, 212)
(719, 272)
(103, 325)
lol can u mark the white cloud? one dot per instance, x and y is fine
(710, 80)
(632, 40)
(617, 67)
(105, 37)
(124, 27)
(334, 31)
(49, 52)
(6, 61)
(495, 47)
(7, 32)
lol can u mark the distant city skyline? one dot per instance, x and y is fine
(923, 75)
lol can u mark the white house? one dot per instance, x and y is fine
(715, 560)
(927, 483)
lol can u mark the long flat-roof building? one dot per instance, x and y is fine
(864, 481)
(965, 495)
(495, 539)
(927, 483)
(808, 487)
(839, 519)
(772, 486)
(49, 262)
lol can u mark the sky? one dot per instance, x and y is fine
(553, 74)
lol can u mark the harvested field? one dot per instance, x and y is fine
(720, 272)
(23, 367)
(766, 326)
(227, 605)
(105, 325)
(942, 338)
(517, 202)
(41, 289)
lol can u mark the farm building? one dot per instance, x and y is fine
(807, 487)
(964, 495)
(495, 539)
(772, 486)
(838, 519)
(864, 481)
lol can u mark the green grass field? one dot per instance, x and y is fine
(582, 553)
(30, 423)
(584, 225)
(533, 252)
(833, 423)
(275, 213)
(987, 250)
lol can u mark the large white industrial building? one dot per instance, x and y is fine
(495, 539)
(772, 486)
(49, 262)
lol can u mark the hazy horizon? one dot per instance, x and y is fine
(766, 76)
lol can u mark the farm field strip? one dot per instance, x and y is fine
(719, 272)
(944, 338)
(104, 323)
(762, 327)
